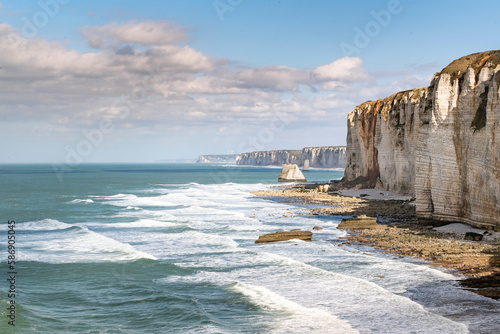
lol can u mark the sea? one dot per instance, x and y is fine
(170, 248)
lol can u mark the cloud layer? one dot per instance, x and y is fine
(144, 76)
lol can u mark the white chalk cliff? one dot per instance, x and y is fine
(440, 143)
(324, 157)
(216, 158)
(319, 157)
(269, 158)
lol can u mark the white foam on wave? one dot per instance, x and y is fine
(43, 225)
(131, 200)
(293, 317)
(141, 223)
(392, 274)
(78, 244)
(362, 302)
(78, 200)
(206, 329)
(201, 199)
(200, 277)
(168, 245)
(163, 215)
(210, 213)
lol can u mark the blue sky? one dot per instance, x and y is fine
(130, 81)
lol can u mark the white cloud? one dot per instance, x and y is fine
(143, 33)
(344, 69)
(141, 77)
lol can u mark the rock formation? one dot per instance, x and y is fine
(283, 236)
(440, 143)
(217, 158)
(325, 156)
(305, 166)
(269, 158)
(359, 223)
(319, 157)
(291, 174)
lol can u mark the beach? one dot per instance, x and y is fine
(402, 235)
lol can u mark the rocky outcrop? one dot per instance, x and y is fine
(440, 143)
(269, 158)
(291, 174)
(217, 158)
(319, 157)
(325, 156)
(359, 223)
(283, 236)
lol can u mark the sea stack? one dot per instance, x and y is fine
(305, 168)
(291, 174)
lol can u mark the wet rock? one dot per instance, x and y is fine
(361, 222)
(317, 228)
(473, 236)
(284, 235)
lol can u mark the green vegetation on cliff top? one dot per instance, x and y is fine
(477, 61)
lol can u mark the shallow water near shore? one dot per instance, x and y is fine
(169, 248)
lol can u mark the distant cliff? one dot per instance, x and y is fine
(325, 157)
(440, 143)
(320, 157)
(217, 158)
(269, 158)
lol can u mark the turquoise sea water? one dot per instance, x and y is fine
(169, 248)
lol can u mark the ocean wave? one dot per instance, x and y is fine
(293, 317)
(141, 223)
(75, 244)
(43, 225)
(130, 200)
(86, 201)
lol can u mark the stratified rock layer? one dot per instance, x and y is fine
(440, 143)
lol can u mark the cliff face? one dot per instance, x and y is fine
(320, 157)
(269, 158)
(217, 158)
(324, 157)
(381, 140)
(439, 143)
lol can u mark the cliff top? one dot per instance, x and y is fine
(305, 148)
(387, 103)
(457, 68)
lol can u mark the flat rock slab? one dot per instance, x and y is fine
(283, 236)
(359, 223)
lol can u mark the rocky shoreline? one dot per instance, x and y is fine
(403, 235)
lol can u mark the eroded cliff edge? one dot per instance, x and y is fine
(437, 143)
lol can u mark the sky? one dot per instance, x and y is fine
(146, 81)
